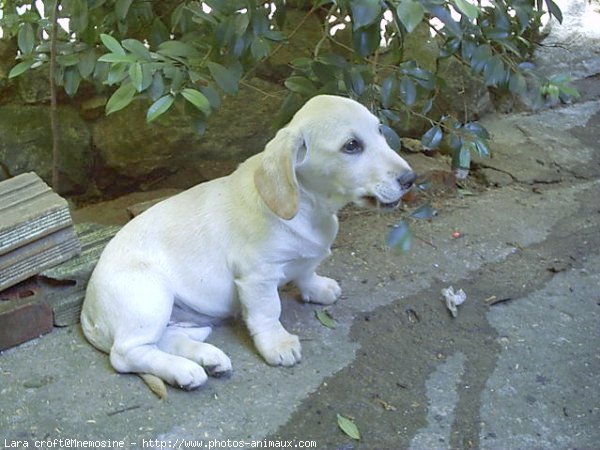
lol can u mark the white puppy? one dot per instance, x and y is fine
(224, 247)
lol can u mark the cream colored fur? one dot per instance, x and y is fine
(223, 248)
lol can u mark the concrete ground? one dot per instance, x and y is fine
(522, 373)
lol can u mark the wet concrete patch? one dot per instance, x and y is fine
(404, 344)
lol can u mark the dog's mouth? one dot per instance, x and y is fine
(374, 202)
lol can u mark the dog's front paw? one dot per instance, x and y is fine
(188, 375)
(216, 362)
(278, 347)
(322, 290)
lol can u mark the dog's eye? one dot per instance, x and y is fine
(352, 146)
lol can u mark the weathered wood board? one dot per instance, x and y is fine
(36, 229)
(66, 282)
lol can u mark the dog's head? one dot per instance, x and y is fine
(333, 149)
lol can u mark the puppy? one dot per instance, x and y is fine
(222, 248)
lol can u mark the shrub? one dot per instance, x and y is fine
(194, 52)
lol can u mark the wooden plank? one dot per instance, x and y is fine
(65, 283)
(36, 229)
(29, 210)
(37, 256)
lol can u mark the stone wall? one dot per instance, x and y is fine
(109, 155)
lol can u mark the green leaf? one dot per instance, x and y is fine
(451, 25)
(425, 211)
(157, 86)
(391, 137)
(136, 76)
(494, 72)
(408, 91)
(198, 99)
(159, 107)
(212, 95)
(336, 59)
(324, 72)
(300, 85)
(274, 35)
(225, 78)
(467, 8)
(387, 91)
(399, 237)
(464, 156)
(410, 13)
(158, 34)
(480, 57)
(432, 137)
(427, 106)
(451, 47)
(260, 48)
(366, 40)
(477, 129)
(357, 82)
(26, 38)
(71, 81)
(198, 124)
(117, 58)
(122, 8)
(177, 48)
(77, 12)
(325, 318)
(517, 84)
(120, 98)
(146, 76)
(177, 77)
(68, 60)
(364, 12)
(554, 10)
(241, 21)
(87, 63)
(112, 44)
(137, 48)
(290, 105)
(20, 68)
(482, 148)
(348, 427)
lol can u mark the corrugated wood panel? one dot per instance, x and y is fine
(67, 298)
(36, 230)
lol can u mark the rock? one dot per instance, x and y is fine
(439, 182)
(26, 145)
(464, 95)
(129, 149)
(116, 211)
(495, 177)
(8, 50)
(412, 145)
(34, 86)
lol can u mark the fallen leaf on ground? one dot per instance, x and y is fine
(348, 427)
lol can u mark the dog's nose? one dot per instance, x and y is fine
(407, 179)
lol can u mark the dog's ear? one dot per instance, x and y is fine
(275, 177)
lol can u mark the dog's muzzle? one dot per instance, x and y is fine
(406, 180)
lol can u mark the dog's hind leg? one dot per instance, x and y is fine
(135, 347)
(185, 341)
(149, 359)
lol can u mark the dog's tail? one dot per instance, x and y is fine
(156, 385)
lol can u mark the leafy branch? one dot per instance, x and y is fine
(194, 53)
